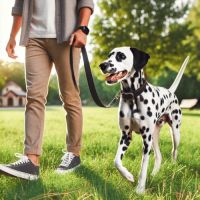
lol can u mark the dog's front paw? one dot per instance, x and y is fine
(140, 190)
(125, 173)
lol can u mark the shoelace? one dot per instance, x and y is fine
(23, 159)
(67, 158)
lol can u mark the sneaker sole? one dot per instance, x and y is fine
(14, 173)
(60, 171)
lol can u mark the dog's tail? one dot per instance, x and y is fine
(179, 76)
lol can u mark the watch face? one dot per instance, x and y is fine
(84, 29)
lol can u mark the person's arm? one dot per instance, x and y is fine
(10, 48)
(80, 37)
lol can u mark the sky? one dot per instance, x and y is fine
(6, 21)
(6, 25)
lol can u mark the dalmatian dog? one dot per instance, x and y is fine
(143, 108)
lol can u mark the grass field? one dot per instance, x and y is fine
(97, 178)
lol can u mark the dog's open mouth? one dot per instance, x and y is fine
(115, 77)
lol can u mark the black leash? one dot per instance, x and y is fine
(125, 95)
(90, 79)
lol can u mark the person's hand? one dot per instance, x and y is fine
(10, 48)
(80, 39)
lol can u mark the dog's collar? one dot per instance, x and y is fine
(132, 95)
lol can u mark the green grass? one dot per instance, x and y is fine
(97, 178)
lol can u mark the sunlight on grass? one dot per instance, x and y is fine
(97, 178)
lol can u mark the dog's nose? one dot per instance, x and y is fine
(103, 66)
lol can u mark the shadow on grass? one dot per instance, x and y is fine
(104, 189)
(191, 114)
(24, 189)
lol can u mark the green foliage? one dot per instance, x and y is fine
(53, 93)
(187, 89)
(97, 178)
(194, 39)
(13, 71)
(151, 26)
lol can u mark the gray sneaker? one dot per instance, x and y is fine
(69, 163)
(24, 168)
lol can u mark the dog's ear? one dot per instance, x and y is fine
(140, 59)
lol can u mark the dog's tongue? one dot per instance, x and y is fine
(115, 77)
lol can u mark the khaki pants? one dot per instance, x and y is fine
(40, 56)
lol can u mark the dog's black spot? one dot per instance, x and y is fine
(126, 127)
(143, 128)
(149, 138)
(121, 114)
(161, 101)
(157, 92)
(132, 79)
(131, 105)
(145, 90)
(157, 107)
(120, 56)
(177, 126)
(121, 142)
(144, 136)
(111, 65)
(147, 130)
(145, 101)
(141, 131)
(110, 54)
(150, 90)
(142, 118)
(150, 152)
(149, 113)
(171, 121)
(145, 147)
(175, 111)
(153, 101)
(163, 109)
(154, 121)
(179, 111)
(124, 148)
(176, 101)
(176, 117)
(156, 114)
(122, 156)
(127, 143)
(149, 108)
(153, 94)
(113, 70)
(136, 74)
(141, 98)
(124, 137)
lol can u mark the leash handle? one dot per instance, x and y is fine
(90, 78)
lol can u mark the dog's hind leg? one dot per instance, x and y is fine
(175, 123)
(126, 138)
(157, 154)
(175, 141)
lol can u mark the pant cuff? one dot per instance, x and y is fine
(74, 149)
(32, 152)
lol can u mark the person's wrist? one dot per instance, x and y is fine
(84, 29)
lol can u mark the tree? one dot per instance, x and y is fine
(194, 40)
(151, 26)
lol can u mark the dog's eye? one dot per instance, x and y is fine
(122, 56)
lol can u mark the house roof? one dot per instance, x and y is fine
(16, 92)
(11, 83)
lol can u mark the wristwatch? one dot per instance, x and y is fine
(85, 29)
